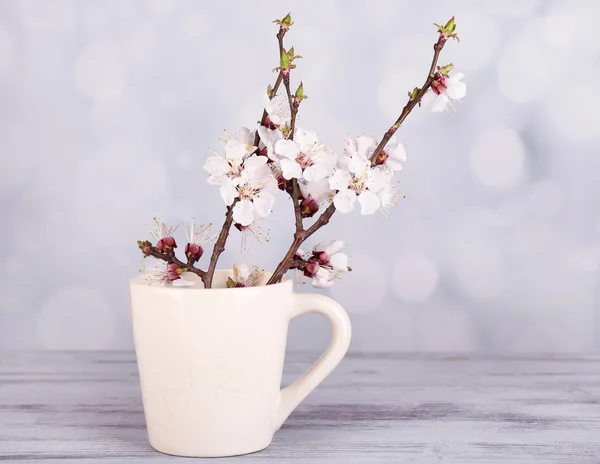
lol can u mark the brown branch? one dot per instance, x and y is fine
(326, 215)
(265, 114)
(156, 253)
(219, 247)
(293, 112)
(220, 243)
(437, 48)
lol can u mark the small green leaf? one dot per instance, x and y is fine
(445, 70)
(284, 63)
(230, 283)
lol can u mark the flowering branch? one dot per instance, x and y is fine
(150, 250)
(222, 239)
(255, 164)
(414, 99)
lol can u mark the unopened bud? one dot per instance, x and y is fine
(311, 268)
(308, 207)
(166, 244)
(145, 246)
(193, 252)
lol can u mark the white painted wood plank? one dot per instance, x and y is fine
(57, 406)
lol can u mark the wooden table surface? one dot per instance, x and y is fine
(86, 407)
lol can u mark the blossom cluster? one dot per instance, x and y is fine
(251, 166)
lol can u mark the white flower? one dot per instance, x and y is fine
(253, 231)
(332, 263)
(358, 180)
(255, 188)
(278, 109)
(269, 138)
(329, 254)
(451, 90)
(392, 156)
(197, 237)
(304, 157)
(162, 272)
(243, 276)
(226, 169)
(318, 191)
(362, 148)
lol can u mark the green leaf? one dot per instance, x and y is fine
(230, 283)
(284, 63)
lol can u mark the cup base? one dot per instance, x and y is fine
(234, 451)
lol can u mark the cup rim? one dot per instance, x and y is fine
(138, 281)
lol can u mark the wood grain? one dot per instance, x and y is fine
(378, 407)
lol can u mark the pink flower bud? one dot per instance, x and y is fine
(193, 252)
(309, 207)
(322, 257)
(166, 244)
(173, 272)
(311, 268)
(381, 158)
(439, 84)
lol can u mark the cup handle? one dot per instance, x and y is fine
(292, 395)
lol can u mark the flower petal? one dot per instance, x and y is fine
(235, 151)
(397, 152)
(339, 261)
(245, 135)
(290, 169)
(331, 247)
(349, 146)
(216, 165)
(287, 148)
(378, 178)
(344, 201)
(318, 190)
(393, 164)
(254, 163)
(440, 103)
(456, 90)
(241, 272)
(315, 172)
(228, 192)
(359, 165)
(243, 212)
(366, 145)
(267, 103)
(323, 279)
(340, 179)
(305, 139)
(369, 202)
(263, 204)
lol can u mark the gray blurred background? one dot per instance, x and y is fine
(108, 109)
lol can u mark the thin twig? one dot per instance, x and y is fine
(220, 243)
(219, 247)
(411, 103)
(293, 112)
(156, 253)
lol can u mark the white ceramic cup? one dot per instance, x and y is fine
(211, 360)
